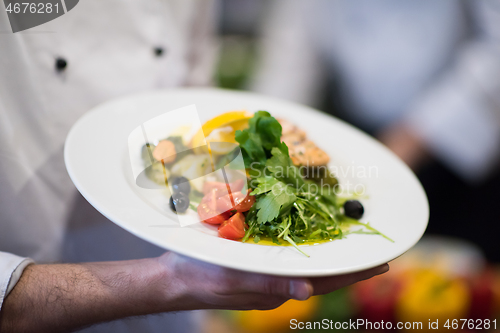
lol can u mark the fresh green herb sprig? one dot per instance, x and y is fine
(285, 208)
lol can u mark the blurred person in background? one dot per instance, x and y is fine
(421, 75)
(52, 75)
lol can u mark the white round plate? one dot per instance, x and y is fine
(97, 159)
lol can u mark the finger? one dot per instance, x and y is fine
(325, 285)
(225, 281)
(250, 301)
(243, 282)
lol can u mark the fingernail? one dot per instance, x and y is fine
(300, 290)
(382, 269)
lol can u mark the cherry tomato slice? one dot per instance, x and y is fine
(208, 211)
(242, 202)
(234, 228)
(235, 186)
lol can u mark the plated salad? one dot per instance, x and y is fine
(283, 193)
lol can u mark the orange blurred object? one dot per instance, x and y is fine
(278, 320)
(430, 295)
(165, 151)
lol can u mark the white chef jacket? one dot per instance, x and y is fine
(434, 65)
(110, 49)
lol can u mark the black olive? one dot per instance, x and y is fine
(181, 184)
(179, 202)
(353, 209)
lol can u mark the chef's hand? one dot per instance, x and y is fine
(64, 297)
(209, 286)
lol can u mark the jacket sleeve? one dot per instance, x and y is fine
(458, 117)
(11, 269)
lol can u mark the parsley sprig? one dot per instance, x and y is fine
(285, 208)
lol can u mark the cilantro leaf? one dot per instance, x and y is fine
(269, 130)
(277, 198)
(283, 209)
(256, 142)
(251, 147)
(265, 184)
(281, 166)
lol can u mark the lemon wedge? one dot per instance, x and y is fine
(221, 129)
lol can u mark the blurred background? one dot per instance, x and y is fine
(423, 77)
